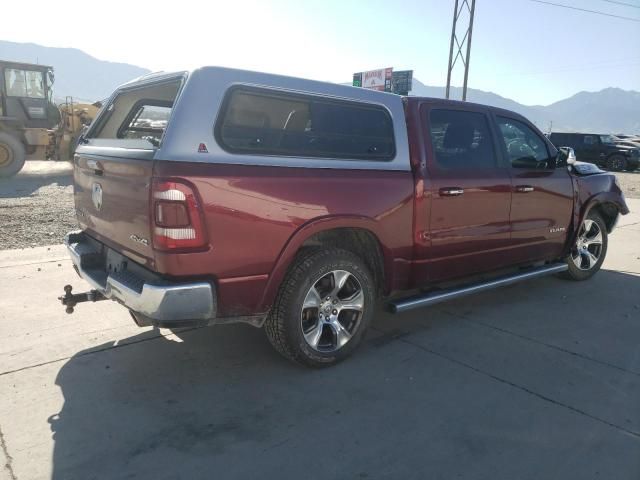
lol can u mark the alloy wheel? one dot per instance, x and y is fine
(332, 311)
(588, 247)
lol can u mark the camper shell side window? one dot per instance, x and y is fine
(262, 121)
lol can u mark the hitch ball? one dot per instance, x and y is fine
(67, 299)
(70, 300)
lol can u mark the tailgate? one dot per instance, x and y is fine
(113, 165)
(112, 202)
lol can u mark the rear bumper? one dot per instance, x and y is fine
(152, 299)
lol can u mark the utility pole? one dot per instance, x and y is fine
(466, 39)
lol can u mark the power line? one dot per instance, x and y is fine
(622, 3)
(588, 11)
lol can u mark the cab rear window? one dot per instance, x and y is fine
(265, 122)
(147, 121)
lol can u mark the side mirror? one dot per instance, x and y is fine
(566, 156)
(81, 138)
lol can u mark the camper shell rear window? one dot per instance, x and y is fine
(139, 113)
(260, 121)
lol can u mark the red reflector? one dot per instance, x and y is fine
(177, 215)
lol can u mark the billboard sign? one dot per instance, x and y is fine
(374, 79)
(385, 80)
(402, 82)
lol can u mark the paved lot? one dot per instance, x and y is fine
(536, 381)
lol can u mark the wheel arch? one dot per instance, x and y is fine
(608, 204)
(609, 212)
(358, 235)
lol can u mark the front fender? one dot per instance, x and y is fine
(592, 192)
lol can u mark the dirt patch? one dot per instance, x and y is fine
(630, 183)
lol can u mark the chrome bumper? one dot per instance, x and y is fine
(161, 301)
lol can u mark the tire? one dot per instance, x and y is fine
(583, 264)
(617, 163)
(298, 319)
(12, 155)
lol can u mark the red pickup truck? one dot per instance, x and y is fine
(223, 195)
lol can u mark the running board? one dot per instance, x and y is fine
(432, 298)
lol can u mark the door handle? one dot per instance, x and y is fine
(451, 191)
(524, 188)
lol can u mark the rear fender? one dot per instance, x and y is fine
(306, 231)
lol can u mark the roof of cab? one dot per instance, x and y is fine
(459, 103)
(11, 63)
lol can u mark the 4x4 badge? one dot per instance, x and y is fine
(202, 148)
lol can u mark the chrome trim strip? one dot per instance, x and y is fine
(437, 297)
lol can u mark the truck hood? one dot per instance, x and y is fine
(584, 169)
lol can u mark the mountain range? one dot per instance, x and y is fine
(77, 74)
(84, 77)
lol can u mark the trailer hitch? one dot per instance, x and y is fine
(70, 300)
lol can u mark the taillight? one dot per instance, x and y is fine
(177, 216)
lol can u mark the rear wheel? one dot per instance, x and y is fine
(617, 163)
(12, 155)
(589, 249)
(323, 308)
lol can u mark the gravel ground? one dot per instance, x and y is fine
(36, 206)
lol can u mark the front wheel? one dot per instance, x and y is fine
(323, 308)
(589, 249)
(617, 163)
(12, 155)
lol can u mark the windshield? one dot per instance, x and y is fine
(24, 83)
(607, 139)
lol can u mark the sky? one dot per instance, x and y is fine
(530, 52)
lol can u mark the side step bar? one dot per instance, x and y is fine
(432, 298)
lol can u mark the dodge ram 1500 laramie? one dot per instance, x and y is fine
(223, 195)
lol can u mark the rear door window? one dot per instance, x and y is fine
(265, 122)
(573, 141)
(560, 140)
(461, 140)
